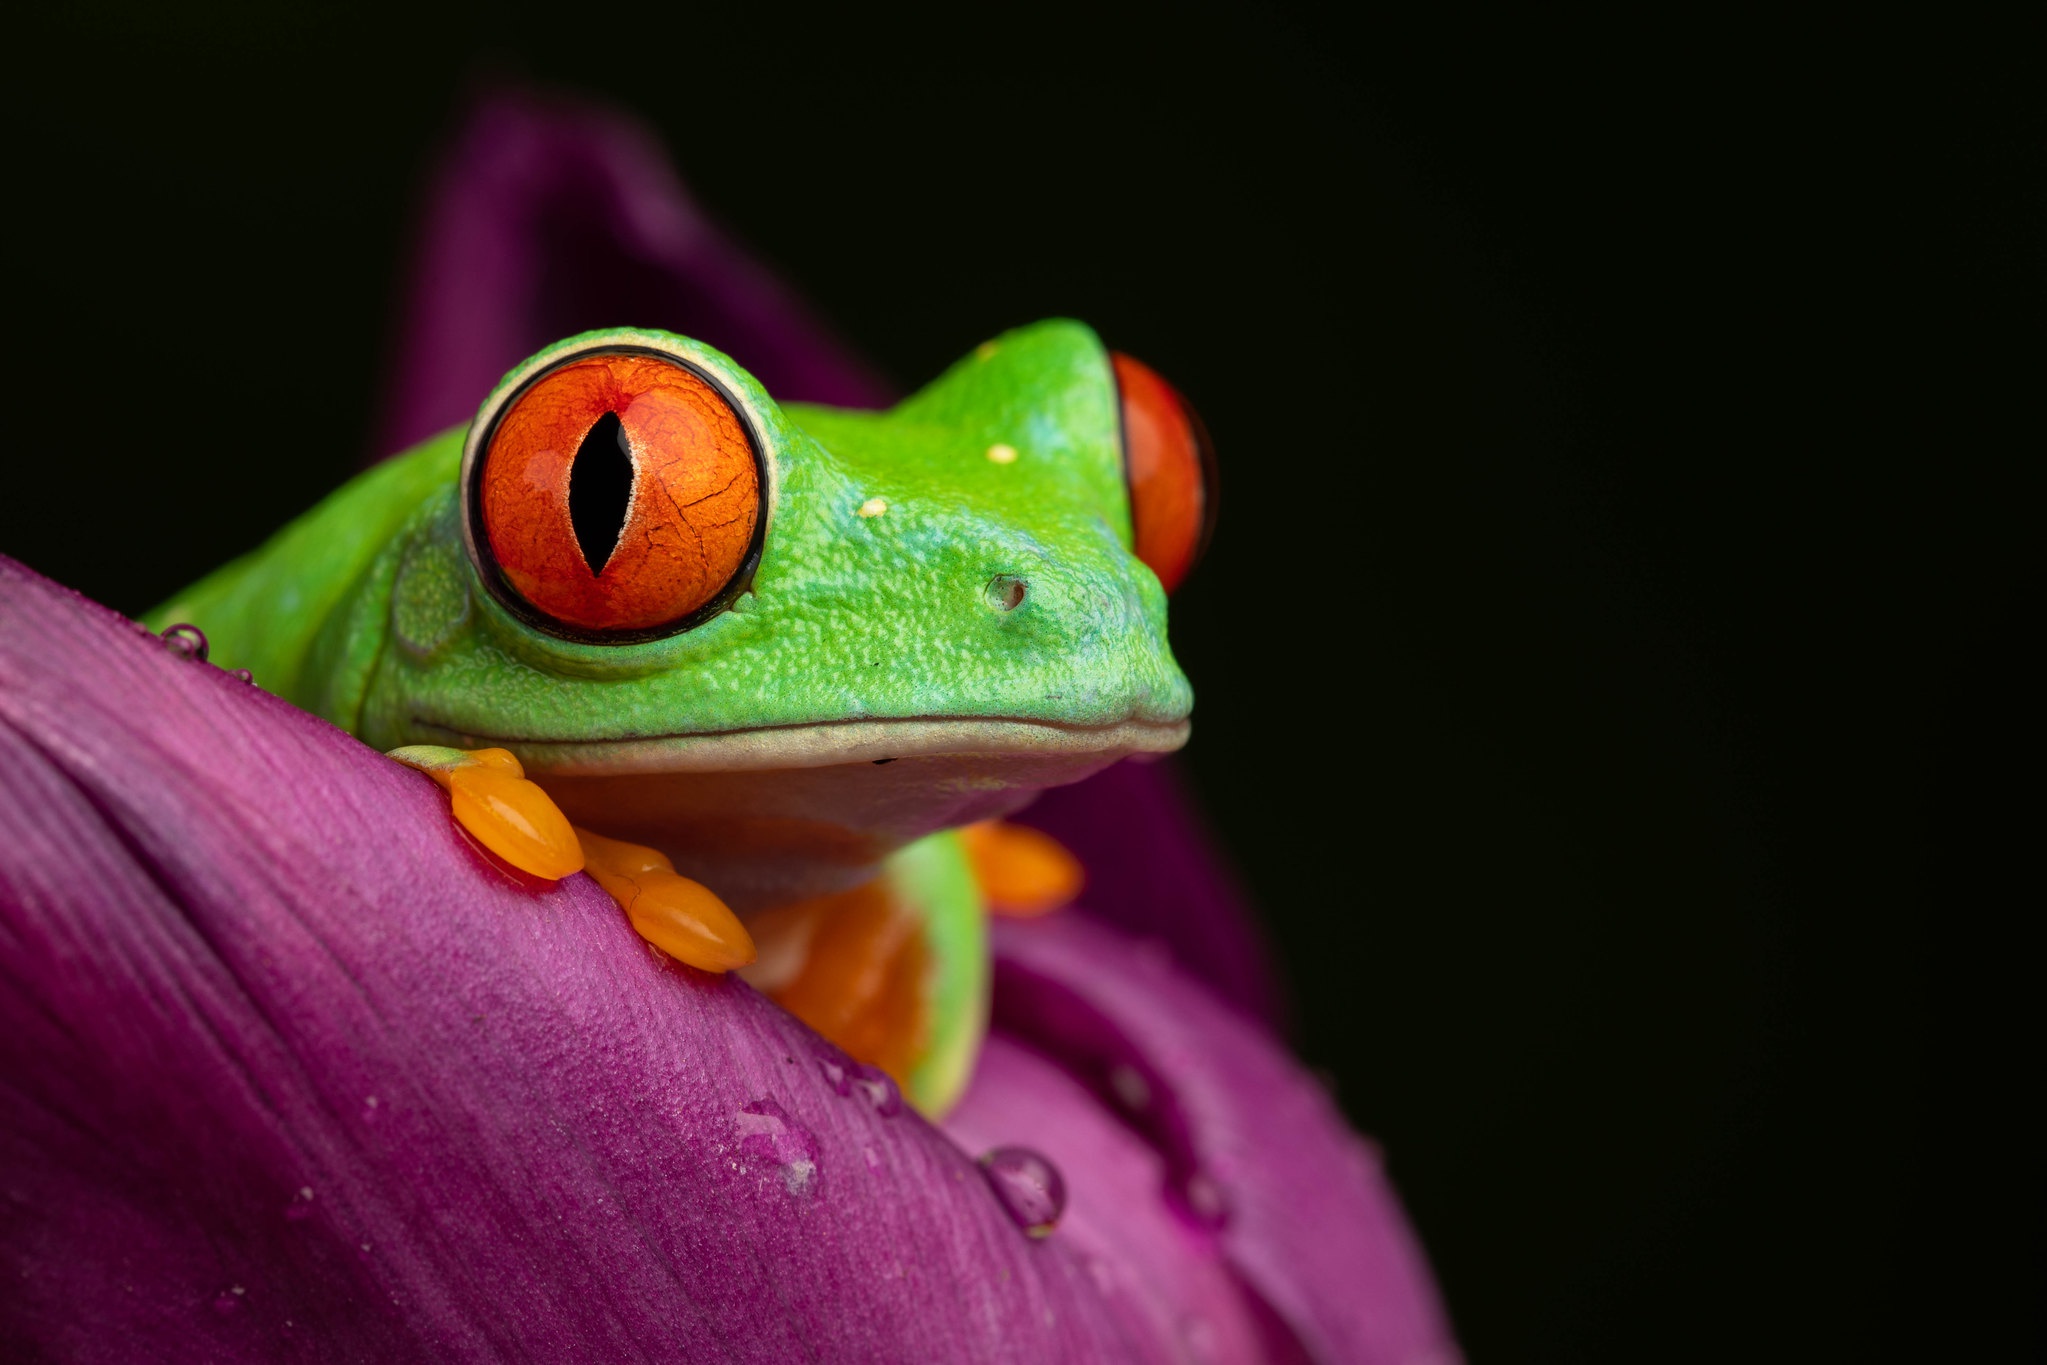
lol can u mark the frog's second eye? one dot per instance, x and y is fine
(616, 497)
(1171, 468)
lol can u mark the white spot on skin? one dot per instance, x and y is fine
(1002, 454)
(873, 507)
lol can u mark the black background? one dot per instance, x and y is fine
(1608, 657)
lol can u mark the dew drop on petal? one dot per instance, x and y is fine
(878, 1088)
(836, 1075)
(1029, 1187)
(768, 1133)
(186, 641)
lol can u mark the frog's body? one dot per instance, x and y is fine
(932, 632)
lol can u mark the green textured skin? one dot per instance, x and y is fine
(368, 611)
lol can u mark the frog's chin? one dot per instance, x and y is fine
(771, 816)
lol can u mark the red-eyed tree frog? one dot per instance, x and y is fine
(769, 672)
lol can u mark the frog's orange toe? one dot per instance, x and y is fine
(515, 820)
(504, 812)
(682, 918)
(1022, 871)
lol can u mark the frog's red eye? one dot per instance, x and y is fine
(616, 496)
(1171, 468)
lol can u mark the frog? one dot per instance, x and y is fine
(772, 673)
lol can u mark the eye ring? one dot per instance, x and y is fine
(481, 447)
(1169, 469)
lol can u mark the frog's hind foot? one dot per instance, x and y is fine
(857, 968)
(1022, 872)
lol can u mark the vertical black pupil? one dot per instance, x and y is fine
(601, 490)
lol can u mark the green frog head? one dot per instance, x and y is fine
(774, 641)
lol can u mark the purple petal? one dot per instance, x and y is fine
(291, 1071)
(549, 218)
(1165, 1275)
(1247, 1145)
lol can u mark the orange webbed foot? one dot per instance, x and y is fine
(855, 966)
(682, 918)
(507, 814)
(1023, 872)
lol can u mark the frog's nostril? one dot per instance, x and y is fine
(1005, 592)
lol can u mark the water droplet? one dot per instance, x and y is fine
(1029, 1186)
(836, 1074)
(242, 674)
(1132, 1090)
(186, 641)
(301, 1206)
(769, 1134)
(878, 1088)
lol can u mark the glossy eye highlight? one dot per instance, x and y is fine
(617, 495)
(1170, 465)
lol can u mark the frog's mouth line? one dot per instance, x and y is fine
(823, 744)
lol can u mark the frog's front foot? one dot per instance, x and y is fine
(520, 823)
(508, 815)
(682, 918)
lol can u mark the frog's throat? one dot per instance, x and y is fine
(776, 815)
(827, 744)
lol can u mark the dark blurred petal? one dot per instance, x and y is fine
(287, 1071)
(1154, 872)
(1248, 1144)
(549, 218)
